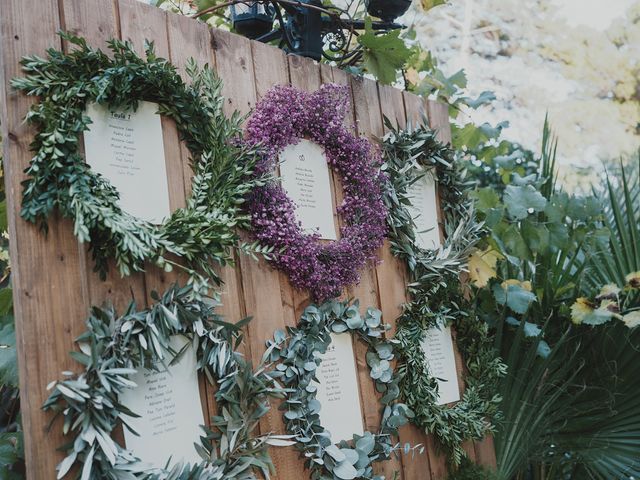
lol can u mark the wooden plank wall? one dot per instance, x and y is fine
(53, 281)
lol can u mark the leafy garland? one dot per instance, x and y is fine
(298, 354)
(114, 348)
(283, 117)
(203, 233)
(437, 297)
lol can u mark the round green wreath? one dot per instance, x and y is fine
(437, 296)
(113, 348)
(203, 233)
(297, 353)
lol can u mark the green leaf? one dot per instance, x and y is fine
(6, 301)
(3, 216)
(9, 450)
(354, 319)
(335, 453)
(471, 135)
(484, 98)
(486, 198)
(383, 55)
(345, 471)
(8, 356)
(514, 296)
(366, 443)
(521, 201)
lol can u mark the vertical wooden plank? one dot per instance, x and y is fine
(367, 115)
(468, 446)
(486, 452)
(391, 273)
(393, 278)
(438, 114)
(49, 307)
(97, 22)
(392, 104)
(481, 452)
(305, 75)
(341, 77)
(437, 461)
(190, 39)
(366, 290)
(365, 99)
(415, 108)
(140, 22)
(261, 283)
(234, 65)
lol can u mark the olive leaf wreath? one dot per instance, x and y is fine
(297, 354)
(436, 294)
(203, 234)
(114, 348)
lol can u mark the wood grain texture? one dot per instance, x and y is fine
(98, 21)
(190, 40)
(415, 108)
(304, 74)
(49, 305)
(394, 274)
(368, 288)
(438, 114)
(485, 452)
(52, 276)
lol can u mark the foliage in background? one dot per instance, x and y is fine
(599, 437)
(11, 444)
(570, 403)
(437, 298)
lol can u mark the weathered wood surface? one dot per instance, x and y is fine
(53, 281)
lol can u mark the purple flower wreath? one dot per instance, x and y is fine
(283, 117)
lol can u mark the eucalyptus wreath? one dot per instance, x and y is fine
(298, 355)
(203, 233)
(114, 347)
(437, 297)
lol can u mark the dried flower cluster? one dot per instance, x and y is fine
(283, 117)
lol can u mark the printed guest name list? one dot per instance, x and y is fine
(305, 177)
(338, 390)
(168, 402)
(127, 149)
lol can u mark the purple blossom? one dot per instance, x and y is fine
(283, 117)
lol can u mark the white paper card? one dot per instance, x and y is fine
(338, 390)
(305, 177)
(168, 403)
(437, 346)
(126, 148)
(424, 210)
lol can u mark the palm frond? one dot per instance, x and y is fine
(622, 217)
